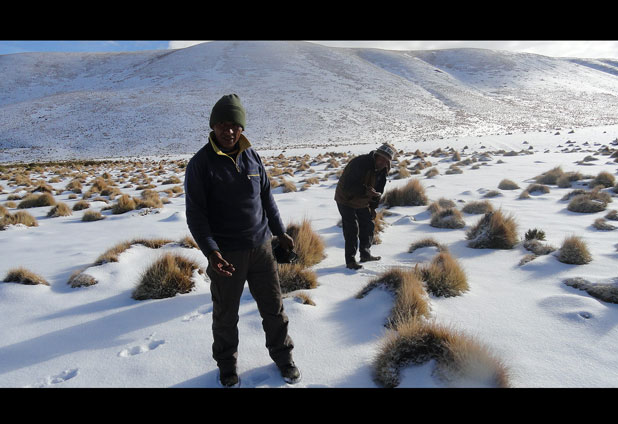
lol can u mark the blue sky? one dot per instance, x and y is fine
(559, 48)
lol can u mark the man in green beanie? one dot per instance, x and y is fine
(232, 216)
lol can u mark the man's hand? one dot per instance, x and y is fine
(286, 242)
(373, 213)
(220, 265)
(371, 192)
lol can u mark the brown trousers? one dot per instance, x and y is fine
(258, 268)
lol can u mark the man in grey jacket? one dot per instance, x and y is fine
(232, 216)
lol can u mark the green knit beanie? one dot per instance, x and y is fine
(228, 109)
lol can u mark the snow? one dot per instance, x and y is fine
(302, 98)
(547, 334)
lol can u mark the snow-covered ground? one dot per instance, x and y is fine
(547, 333)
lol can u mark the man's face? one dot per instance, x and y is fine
(227, 134)
(381, 162)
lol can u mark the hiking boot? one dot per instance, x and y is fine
(369, 258)
(290, 373)
(353, 265)
(229, 378)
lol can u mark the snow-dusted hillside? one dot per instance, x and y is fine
(65, 105)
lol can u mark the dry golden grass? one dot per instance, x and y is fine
(23, 276)
(80, 205)
(112, 254)
(301, 297)
(296, 277)
(80, 279)
(574, 251)
(411, 194)
(478, 207)
(288, 186)
(75, 186)
(427, 242)
(447, 218)
(461, 361)
(507, 184)
(410, 297)
(604, 179)
(124, 203)
(590, 202)
(168, 276)
(19, 217)
(441, 203)
(550, 177)
(35, 201)
(61, 209)
(444, 276)
(494, 230)
(603, 225)
(149, 199)
(308, 245)
(188, 242)
(432, 172)
(90, 216)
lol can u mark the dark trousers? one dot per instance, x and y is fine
(357, 231)
(258, 268)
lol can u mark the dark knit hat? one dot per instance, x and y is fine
(228, 109)
(387, 151)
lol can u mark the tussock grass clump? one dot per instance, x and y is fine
(427, 242)
(607, 292)
(538, 188)
(588, 203)
(19, 217)
(74, 186)
(112, 254)
(288, 186)
(81, 205)
(80, 279)
(447, 218)
(166, 277)
(148, 199)
(296, 277)
(604, 179)
(90, 216)
(441, 203)
(551, 176)
(603, 225)
(61, 209)
(308, 245)
(507, 184)
(461, 361)
(410, 296)
(613, 215)
(432, 172)
(4, 211)
(35, 201)
(444, 276)
(494, 230)
(574, 251)
(411, 194)
(403, 172)
(23, 276)
(478, 207)
(125, 203)
(538, 248)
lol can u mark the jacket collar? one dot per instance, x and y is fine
(243, 144)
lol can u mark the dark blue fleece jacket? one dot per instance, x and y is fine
(229, 205)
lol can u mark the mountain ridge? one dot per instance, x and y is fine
(86, 105)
